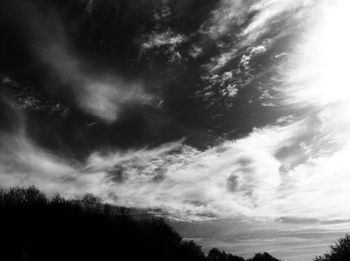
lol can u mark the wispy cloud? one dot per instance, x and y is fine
(165, 38)
(256, 176)
(230, 13)
(106, 98)
(103, 95)
(251, 22)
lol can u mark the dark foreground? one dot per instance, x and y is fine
(33, 227)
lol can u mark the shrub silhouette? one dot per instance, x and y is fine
(340, 251)
(263, 257)
(35, 228)
(216, 255)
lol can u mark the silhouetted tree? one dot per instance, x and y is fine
(216, 255)
(189, 251)
(30, 195)
(263, 257)
(33, 228)
(340, 251)
(91, 202)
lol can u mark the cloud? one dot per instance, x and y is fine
(288, 169)
(29, 100)
(81, 79)
(106, 98)
(244, 177)
(165, 38)
(291, 174)
(296, 167)
(229, 13)
(23, 163)
(247, 34)
(251, 22)
(103, 96)
(167, 41)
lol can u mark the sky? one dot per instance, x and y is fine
(215, 114)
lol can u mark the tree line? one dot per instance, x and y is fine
(35, 228)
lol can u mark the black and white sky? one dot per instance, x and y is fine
(198, 110)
